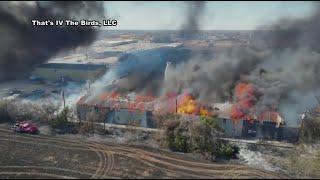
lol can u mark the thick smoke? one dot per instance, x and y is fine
(294, 81)
(291, 85)
(194, 11)
(286, 73)
(212, 80)
(23, 45)
(289, 33)
(140, 71)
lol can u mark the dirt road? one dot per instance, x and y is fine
(39, 156)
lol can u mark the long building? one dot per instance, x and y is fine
(118, 110)
(73, 72)
(92, 63)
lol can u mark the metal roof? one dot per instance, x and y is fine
(84, 67)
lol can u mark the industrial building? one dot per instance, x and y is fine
(130, 117)
(253, 129)
(258, 130)
(94, 61)
(119, 116)
(118, 110)
(65, 72)
(126, 112)
(113, 42)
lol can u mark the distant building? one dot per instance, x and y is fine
(65, 72)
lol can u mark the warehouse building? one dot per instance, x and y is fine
(254, 129)
(115, 111)
(66, 72)
(130, 117)
(121, 112)
(93, 63)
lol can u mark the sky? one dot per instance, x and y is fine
(219, 15)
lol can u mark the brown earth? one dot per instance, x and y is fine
(40, 156)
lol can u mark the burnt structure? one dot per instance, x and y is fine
(254, 129)
(115, 109)
(118, 111)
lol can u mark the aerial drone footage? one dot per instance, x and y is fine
(183, 89)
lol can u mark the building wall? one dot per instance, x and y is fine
(128, 117)
(74, 74)
(118, 116)
(231, 128)
(256, 129)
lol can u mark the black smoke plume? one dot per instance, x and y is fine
(290, 33)
(193, 14)
(23, 45)
(285, 70)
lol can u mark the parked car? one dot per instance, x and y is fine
(26, 127)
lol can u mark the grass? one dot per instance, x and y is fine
(303, 164)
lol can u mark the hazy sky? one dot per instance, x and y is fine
(245, 15)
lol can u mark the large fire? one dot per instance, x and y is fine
(172, 103)
(112, 95)
(188, 105)
(245, 99)
(243, 108)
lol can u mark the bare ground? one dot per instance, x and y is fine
(41, 156)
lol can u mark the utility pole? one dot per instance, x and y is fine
(87, 58)
(176, 99)
(104, 120)
(64, 100)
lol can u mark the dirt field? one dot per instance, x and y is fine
(40, 156)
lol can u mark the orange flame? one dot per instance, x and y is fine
(184, 104)
(244, 94)
(269, 115)
(188, 105)
(244, 106)
(205, 112)
(105, 96)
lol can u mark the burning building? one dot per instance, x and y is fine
(269, 125)
(242, 119)
(116, 109)
(136, 109)
(237, 119)
(139, 111)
